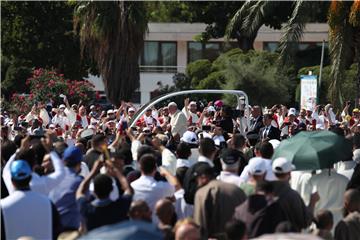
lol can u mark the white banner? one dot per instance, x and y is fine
(308, 88)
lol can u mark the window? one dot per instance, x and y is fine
(273, 46)
(197, 50)
(159, 57)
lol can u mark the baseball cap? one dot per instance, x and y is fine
(356, 110)
(73, 155)
(92, 107)
(131, 109)
(275, 143)
(282, 165)
(110, 111)
(211, 109)
(20, 169)
(218, 103)
(62, 106)
(257, 166)
(292, 111)
(189, 137)
(230, 156)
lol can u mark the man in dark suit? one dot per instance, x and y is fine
(269, 132)
(256, 121)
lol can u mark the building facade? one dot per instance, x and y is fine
(169, 47)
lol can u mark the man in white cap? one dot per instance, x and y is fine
(289, 123)
(293, 205)
(256, 171)
(60, 118)
(190, 111)
(178, 121)
(192, 140)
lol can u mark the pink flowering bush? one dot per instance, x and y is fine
(47, 85)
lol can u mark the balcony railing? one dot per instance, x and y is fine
(162, 69)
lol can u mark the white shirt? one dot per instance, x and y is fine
(71, 115)
(270, 176)
(205, 159)
(194, 156)
(61, 120)
(218, 139)
(331, 187)
(229, 177)
(135, 145)
(84, 170)
(39, 184)
(178, 123)
(182, 163)
(345, 168)
(27, 213)
(169, 161)
(182, 209)
(84, 121)
(299, 182)
(150, 121)
(188, 114)
(148, 189)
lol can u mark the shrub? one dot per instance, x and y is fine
(46, 86)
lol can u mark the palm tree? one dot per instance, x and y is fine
(344, 31)
(112, 34)
(344, 42)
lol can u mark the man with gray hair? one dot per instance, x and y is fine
(178, 121)
(230, 159)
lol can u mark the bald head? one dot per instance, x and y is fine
(187, 230)
(139, 210)
(352, 200)
(164, 210)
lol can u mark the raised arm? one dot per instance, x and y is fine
(115, 172)
(170, 178)
(84, 186)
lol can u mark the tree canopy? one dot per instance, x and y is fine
(38, 35)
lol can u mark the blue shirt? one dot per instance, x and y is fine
(64, 198)
(98, 213)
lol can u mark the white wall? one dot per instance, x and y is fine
(148, 83)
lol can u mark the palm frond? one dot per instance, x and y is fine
(255, 18)
(293, 30)
(235, 23)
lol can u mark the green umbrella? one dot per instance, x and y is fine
(314, 150)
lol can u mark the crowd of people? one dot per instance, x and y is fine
(200, 172)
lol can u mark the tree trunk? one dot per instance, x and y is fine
(357, 59)
(245, 43)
